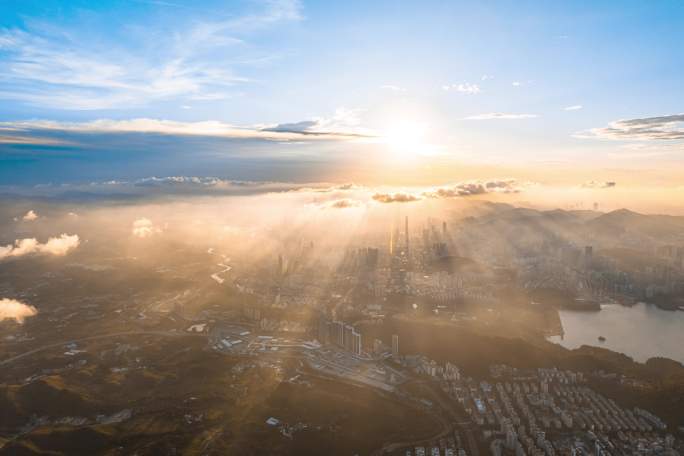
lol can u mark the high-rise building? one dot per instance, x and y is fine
(395, 345)
(349, 338)
(338, 333)
(356, 343)
(391, 243)
(588, 255)
(406, 235)
(323, 330)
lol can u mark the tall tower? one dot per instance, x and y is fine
(391, 244)
(406, 234)
(395, 346)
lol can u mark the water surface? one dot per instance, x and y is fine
(641, 331)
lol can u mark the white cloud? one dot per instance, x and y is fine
(344, 203)
(601, 184)
(344, 124)
(465, 87)
(143, 227)
(486, 77)
(670, 127)
(393, 88)
(55, 68)
(476, 187)
(516, 83)
(500, 115)
(11, 309)
(58, 246)
(30, 216)
(399, 197)
(456, 190)
(572, 108)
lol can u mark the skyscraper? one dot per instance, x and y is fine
(395, 345)
(588, 256)
(406, 235)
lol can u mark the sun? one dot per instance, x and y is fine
(405, 139)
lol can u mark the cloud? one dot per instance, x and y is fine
(516, 83)
(392, 88)
(337, 127)
(55, 67)
(486, 77)
(471, 188)
(58, 246)
(471, 89)
(143, 227)
(669, 127)
(457, 190)
(30, 216)
(19, 139)
(150, 187)
(572, 108)
(344, 123)
(61, 245)
(11, 309)
(500, 115)
(595, 184)
(344, 204)
(395, 197)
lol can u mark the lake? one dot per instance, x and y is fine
(641, 331)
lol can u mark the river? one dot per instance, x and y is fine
(641, 331)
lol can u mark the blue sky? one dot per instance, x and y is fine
(311, 91)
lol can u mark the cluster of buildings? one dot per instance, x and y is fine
(546, 412)
(341, 334)
(453, 445)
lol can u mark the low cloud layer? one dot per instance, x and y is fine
(395, 198)
(57, 246)
(339, 126)
(11, 309)
(460, 189)
(475, 188)
(650, 128)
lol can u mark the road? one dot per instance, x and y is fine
(99, 336)
(448, 410)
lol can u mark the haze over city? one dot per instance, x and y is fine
(313, 227)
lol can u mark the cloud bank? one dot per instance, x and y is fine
(395, 197)
(646, 129)
(457, 190)
(11, 309)
(308, 129)
(58, 246)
